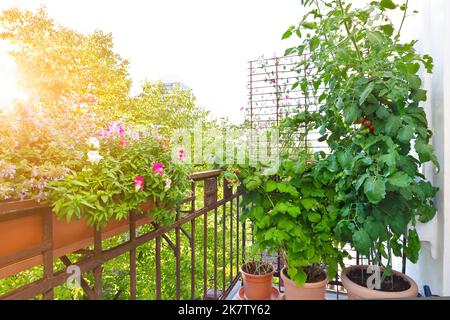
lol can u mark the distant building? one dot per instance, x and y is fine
(172, 85)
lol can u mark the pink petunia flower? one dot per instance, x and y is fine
(182, 154)
(121, 129)
(158, 168)
(139, 183)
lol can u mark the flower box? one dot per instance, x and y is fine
(22, 229)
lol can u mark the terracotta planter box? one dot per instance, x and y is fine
(24, 229)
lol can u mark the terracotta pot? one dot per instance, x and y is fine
(309, 291)
(257, 287)
(24, 231)
(355, 291)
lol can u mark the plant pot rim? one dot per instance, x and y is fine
(306, 285)
(257, 275)
(346, 280)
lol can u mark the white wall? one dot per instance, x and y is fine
(432, 29)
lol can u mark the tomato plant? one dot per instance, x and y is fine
(364, 73)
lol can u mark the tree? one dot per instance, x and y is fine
(167, 109)
(55, 62)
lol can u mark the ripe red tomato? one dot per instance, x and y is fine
(367, 123)
(361, 120)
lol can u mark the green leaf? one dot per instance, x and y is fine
(426, 153)
(309, 25)
(293, 211)
(287, 34)
(257, 212)
(285, 224)
(362, 242)
(251, 183)
(427, 213)
(366, 93)
(387, 4)
(388, 29)
(314, 217)
(389, 159)
(375, 189)
(351, 113)
(406, 134)
(382, 113)
(285, 187)
(375, 38)
(420, 95)
(271, 186)
(374, 228)
(300, 278)
(412, 246)
(308, 204)
(289, 51)
(360, 181)
(345, 159)
(314, 43)
(400, 179)
(392, 125)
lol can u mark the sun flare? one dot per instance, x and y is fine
(10, 91)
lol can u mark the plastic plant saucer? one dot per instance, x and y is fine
(275, 294)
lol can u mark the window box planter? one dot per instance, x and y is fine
(22, 229)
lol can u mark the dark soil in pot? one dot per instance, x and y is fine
(313, 274)
(392, 283)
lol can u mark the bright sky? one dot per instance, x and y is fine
(203, 43)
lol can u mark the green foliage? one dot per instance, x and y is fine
(106, 190)
(39, 145)
(292, 212)
(166, 109)
(55, 62)
(368, 77)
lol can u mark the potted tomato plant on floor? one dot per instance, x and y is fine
(371, 116)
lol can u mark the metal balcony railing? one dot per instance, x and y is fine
(206, 235)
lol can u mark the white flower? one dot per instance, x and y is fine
(168, 183)
(94, 157)
(93, 142)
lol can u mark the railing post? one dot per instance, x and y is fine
(98, 286)
(133, 256)
(177, 258)
(47, 255)
(192, 242)
(209, 202)
(158, 267)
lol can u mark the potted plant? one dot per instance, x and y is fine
(257, 276)
(291, 213)
(371, 116)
